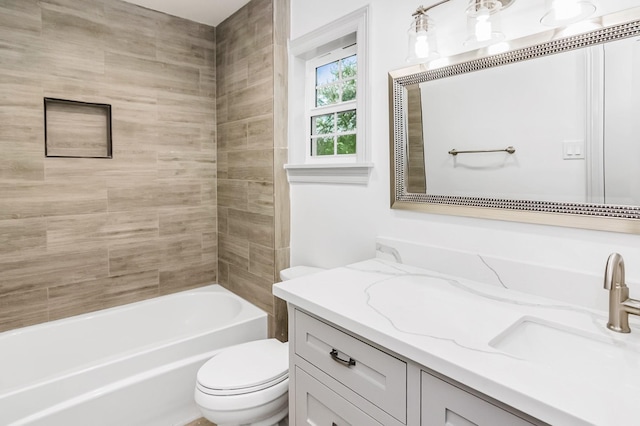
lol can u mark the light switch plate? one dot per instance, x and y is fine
(573, 150)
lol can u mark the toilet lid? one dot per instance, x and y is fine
(248, 367)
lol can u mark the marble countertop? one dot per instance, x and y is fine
(451, 325)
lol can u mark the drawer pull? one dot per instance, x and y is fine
(348, 362)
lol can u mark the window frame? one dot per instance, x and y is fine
(315, 111)
(304, 52)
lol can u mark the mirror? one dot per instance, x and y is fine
(543, 133)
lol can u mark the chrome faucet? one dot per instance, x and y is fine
(620, 305)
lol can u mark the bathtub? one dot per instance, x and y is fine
(131, 365)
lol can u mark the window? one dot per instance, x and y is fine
(333, 116)
(327, 103)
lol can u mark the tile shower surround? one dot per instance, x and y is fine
(77, 235)
(253, 198)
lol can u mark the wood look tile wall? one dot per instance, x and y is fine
(281, 154)
(78, 235)
(417, 176)
(253, 196)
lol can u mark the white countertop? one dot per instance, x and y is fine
(447, 324)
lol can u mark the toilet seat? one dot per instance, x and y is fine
(245, 368)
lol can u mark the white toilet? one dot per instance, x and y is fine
(248, 384)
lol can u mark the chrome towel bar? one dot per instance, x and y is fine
(508, 149)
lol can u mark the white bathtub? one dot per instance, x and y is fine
(131, 365)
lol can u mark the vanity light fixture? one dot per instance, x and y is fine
(483, 15)
(483, 22)
(422, 36)
(565, 12)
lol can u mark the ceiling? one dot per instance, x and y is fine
(210, 12)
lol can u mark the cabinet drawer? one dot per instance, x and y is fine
(373, 374)
(316, 404)
(445, 404)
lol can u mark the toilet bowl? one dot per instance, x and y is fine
(246, 384)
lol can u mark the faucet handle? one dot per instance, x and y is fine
(614, 272)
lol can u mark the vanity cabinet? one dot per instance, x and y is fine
(316, 404)
(444, 404)
(342, 380)
(339, 379)
(369, 372)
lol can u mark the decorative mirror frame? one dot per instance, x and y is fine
(618, 218)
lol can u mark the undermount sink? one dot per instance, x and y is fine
(566, 349)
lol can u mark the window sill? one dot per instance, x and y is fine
(354, 174)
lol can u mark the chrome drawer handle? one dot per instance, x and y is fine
(348, 362)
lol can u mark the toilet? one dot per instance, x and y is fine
(247, 384)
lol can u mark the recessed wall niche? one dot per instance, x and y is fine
(76, 129)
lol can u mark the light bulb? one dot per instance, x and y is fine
(422, 44)
(566, 9)
(483, 25)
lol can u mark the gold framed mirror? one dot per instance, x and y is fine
(559, 164)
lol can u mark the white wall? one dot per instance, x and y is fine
(337, 224)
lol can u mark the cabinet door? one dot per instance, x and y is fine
(446, 405)
(317, 405)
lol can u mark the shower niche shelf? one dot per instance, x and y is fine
(76, 129)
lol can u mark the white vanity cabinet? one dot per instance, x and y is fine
(339, 379)
(444, 404)
(331, 365)
(316, 404)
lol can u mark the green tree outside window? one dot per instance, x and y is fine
(335, 83)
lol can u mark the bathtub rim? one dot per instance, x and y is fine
(214, 287)
(249, 312)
